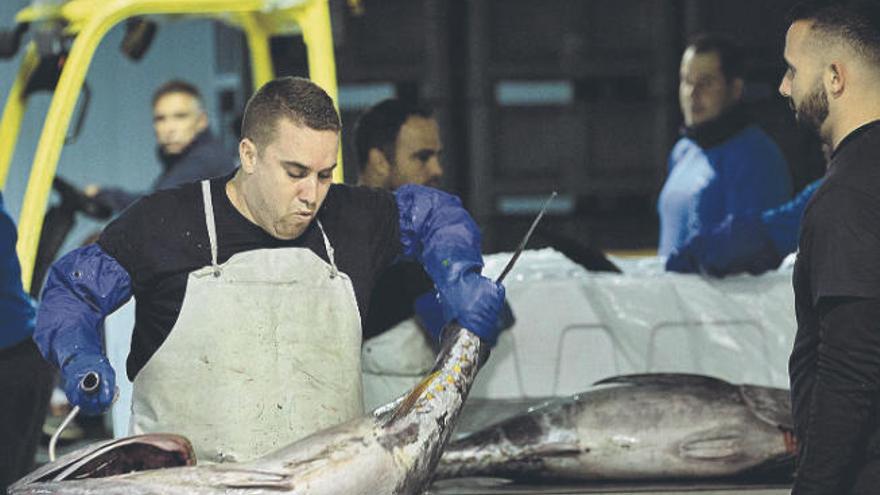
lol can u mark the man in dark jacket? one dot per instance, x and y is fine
(186, 148)
(25, 378)
(833, 58)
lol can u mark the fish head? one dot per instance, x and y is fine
(113, 457)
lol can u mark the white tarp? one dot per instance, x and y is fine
(574, 327)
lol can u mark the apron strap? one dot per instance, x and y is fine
(334, 271)
(212, 227)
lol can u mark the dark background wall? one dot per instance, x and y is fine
(577, 96)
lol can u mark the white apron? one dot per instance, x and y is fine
(266, 350)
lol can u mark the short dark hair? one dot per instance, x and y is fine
(855, 23)
(379, 126)
(730, 53)
(294, 98)
(177, 86)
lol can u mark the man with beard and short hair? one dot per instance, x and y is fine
(723, 164)
(250, 287)
(397, 142)
(186, 148)
(833, 56)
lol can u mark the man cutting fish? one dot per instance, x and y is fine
(250, 287)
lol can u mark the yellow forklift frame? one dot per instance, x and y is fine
(88, 21)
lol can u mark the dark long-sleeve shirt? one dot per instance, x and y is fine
(835, 363)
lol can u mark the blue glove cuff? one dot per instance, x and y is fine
(430, 312)
(438, 232)
(98, 401)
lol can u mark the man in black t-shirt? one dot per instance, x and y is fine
(833, 58)
(250, 287)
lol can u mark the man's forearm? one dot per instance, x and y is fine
(82, 288)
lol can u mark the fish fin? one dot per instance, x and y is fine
(769, 404)
(641, 379)
(554, 449)
(249, 478)
(409, 400)
(718, 444)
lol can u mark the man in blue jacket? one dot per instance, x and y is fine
(186, 148)
(25, 378)
(250, 287)
(722, 165)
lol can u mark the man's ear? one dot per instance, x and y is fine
(202, 121)
(736, 88)
(247, 152)
(377, 163)
(834, 79)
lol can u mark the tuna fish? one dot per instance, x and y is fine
(392, 451)
(637, 427)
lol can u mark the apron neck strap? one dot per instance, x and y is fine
(212, 232)
(329, 248)
(212, 227)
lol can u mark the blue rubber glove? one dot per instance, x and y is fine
(475, 302)
(76, 369)
(438, 232)
(82, 288)
(429, 310)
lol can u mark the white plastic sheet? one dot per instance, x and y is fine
(574, 327)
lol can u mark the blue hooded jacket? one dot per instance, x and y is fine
(16, 308)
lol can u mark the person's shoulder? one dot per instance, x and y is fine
(756, 139)
(160, 205)
(345, 196)
(840, 205)
(751, 150)
(181, 194)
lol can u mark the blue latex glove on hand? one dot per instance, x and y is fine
(76, 369)
(429, 310)
(475, 302)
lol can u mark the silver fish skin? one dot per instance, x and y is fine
(392, 451)
(663, 426)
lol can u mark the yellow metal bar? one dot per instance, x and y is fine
(52, 138)
(314, 19)
(13, 112)
(257, 37)
(93, 18)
